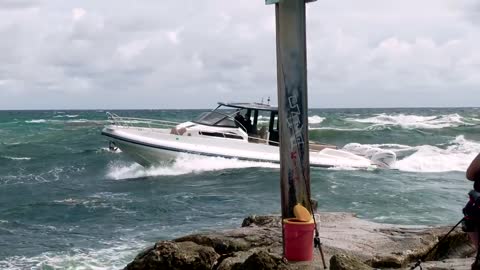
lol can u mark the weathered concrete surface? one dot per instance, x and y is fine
(258, 245)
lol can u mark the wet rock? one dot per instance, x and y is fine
(262, 221)
(258, 243)
(220, 243)
(262, 260)
(232, 260)
(175, 256)
(347, 262)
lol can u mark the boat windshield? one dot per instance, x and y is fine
(215, 119)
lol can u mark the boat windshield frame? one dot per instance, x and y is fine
(220, 120)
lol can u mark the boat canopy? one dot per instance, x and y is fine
(251, 106)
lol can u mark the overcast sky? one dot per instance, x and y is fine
(57, 54)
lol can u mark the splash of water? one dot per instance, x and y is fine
(185, 164)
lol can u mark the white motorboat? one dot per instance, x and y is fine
(243, 131)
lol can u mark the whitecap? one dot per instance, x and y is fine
(315, 119)
(343, 168)
(427, 158)
(116, 256)
(68, 201)
(66, 115)
(36, 121)
(17, 158)
(414, 121)
(106, 149)
(185, 164)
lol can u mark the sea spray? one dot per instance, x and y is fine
(427, 158)
(417, 121)
(185, 164)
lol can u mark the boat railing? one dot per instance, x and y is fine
(135, 122)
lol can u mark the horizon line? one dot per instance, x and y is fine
(315, 108)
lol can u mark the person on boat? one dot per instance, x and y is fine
(248, 122)
(240, 120)
(471, 223)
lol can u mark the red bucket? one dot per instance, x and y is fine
(298, 239)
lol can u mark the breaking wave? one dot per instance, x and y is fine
(115, 257)
(453, 156)
(66, 115)
(416, 121)
(315, 119)
(185, 164)
(16, 158)
(36, 121)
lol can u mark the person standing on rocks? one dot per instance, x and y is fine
(471, 210)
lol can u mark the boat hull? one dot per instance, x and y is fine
(153, 147)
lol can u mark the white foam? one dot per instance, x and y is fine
(66, 115)
(97, 122)
(12, 143)
(185, 164)
(79, 121)
(315, 119)
(390, 146)
(106, 149)
(343, 168)
(116, 257)
(17, 158)
(69, 201)
(415, 121)
(427, 158)
(36, 121)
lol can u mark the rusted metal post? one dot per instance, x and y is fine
(292, 104)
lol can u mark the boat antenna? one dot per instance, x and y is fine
(261, 102)
(268, 100)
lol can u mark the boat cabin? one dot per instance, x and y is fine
(259, 121)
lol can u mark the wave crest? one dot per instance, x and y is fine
(185, 164)
(417, 121)
(427, 158)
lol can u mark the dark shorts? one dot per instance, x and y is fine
(471, 213)
(469, 225)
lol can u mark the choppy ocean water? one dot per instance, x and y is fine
(67, 202)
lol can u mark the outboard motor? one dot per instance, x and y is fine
(384, 158)
(380, 157)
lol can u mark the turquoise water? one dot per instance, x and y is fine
(67, 202)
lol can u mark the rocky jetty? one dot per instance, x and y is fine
(348, 243)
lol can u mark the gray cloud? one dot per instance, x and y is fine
(17, 4)
(150, 54)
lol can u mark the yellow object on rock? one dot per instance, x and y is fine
(301, 213)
